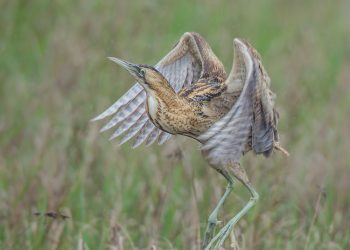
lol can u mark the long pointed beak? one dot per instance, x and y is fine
(133, 69)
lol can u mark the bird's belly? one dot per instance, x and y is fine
(184, 123)
(166, 126)
(183, 119)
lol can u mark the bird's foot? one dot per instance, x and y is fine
(226, 230)
(221, 236)
(212, 223)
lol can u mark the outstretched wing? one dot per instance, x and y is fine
(226, 140)
(190, 60)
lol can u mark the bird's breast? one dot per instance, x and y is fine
(158, 113)
(180, 115)
(152, 107)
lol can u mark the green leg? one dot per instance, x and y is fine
(213, 217)
(240, 174)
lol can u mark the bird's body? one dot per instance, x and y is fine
(191, 111)
(188, 93)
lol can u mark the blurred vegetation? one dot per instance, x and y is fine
(54, 77)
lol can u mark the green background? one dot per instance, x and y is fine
(54, 77)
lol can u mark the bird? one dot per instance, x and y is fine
(189, 93)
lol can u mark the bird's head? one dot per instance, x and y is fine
(147, 76)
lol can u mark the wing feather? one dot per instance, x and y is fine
(126, 98)
(225, 140)
(186, 63)
(252, 121)
(137, 104)
(163, 137)
(264, 131)
(153, 136)
(135, 128)
(127, 124)
(144, 133)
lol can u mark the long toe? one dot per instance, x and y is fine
(220, 237)
(212, 223)
(224, 234)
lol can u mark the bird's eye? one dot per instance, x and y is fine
(143, 72)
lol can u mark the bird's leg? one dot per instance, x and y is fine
(213, 217)
(237, 171)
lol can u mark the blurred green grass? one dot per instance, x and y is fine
(55, 76)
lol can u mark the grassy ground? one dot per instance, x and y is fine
(54, 77)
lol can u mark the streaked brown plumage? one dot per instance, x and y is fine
(189, 93)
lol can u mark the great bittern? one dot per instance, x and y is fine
(189, 93)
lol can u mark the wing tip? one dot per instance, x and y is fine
(104, 128)
(97, 118)
(240, 41)
(163, 138)
(136, 143)
(115, 135)
(111, 138)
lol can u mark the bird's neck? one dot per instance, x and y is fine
(162, 92)
(161, 99)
